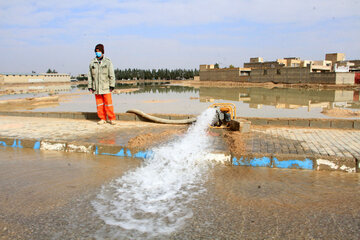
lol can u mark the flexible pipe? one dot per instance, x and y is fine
(161, 120)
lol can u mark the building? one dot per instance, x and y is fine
(210, 73)
(333, 70)
(263, 65)
(256, 60)
(356, 66)
(335, 57)
(34, 78)
(305, 75)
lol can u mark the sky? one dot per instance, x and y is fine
(146, 34)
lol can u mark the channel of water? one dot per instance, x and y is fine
(152, 199)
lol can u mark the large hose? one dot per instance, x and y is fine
(161, 120)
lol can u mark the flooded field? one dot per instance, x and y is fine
(250, 102)
(50, 195)
(174, 193)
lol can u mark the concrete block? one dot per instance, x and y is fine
(334, 163)
(140, 118)
(278, 122)
(67, 115)
(53, 145)
(235, 125)
(43, 114)
(17, 142)
(292, 161)
(356, 124)
(342, 124)
(91, 115)
(28, 143)
(258, 121)
(164, 116)
(245, 126)
(53, 115)
(252, 160)
(110, 150)
(299, 122)
(241, 125)
(32, 114)
(319, 123)
(79, 115)
(6, 141)
(181, 117)
(80, 147)
(125, 116)
(12, 113)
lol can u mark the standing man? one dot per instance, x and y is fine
(101, 81)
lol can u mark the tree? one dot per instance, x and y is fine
(155, 73)
(231, 66)
(216, 66)
(51, 71)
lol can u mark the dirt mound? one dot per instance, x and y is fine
(236, 141)
(340, 112)
(148, 140)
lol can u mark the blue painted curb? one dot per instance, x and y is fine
(122, 153)
(273, 162)
(301, 164)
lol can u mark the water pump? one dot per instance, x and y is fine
(225, 112)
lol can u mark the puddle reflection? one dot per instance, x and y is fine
(151, 98)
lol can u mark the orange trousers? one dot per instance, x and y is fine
(104, 106)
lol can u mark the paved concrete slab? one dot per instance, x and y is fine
(77, 130)
(281, 147)
(126, 138)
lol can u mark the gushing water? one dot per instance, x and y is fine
(152, 199)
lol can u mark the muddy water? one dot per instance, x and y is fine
(39, 188)
(250, 101)
(48, 195)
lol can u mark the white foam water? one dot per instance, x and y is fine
(151, 200)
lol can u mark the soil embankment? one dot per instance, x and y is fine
(145, 141)
(264, 85)
(341, 113)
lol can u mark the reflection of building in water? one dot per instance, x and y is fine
(36, 88)
(280, 97)
(34, 78)
(231, 94)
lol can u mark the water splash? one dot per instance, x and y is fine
(152, 199)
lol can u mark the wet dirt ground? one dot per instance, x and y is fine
(47, 195)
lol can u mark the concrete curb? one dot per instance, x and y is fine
(308, 162)
(80, 147)
(306, 122)
(288, 122)
(91, 115)
(91, 148)
(295, 161)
